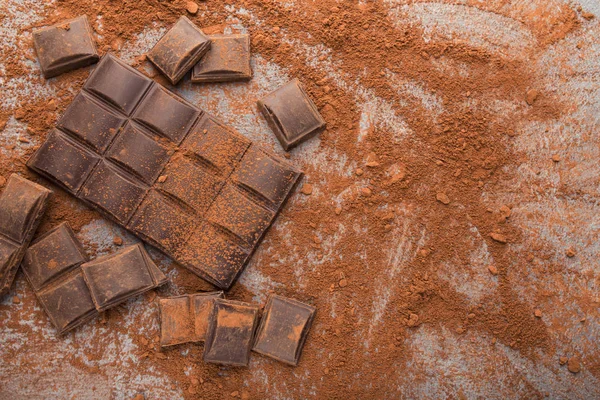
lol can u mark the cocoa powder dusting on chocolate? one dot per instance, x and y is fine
(399, 220)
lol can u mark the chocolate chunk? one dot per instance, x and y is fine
(185, 318)
(230, 332)
(179, 49)
(283, 329)
(114, 278)
(291, 114)
(22, 205)
(55, 253)
(170, 173)
(51, 265)
(65, 46)
(227, 60)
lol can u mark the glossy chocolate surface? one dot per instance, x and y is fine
(167, 171)
(291, 114)
(65, 46)
(22, 205)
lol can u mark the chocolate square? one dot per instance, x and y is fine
(126, 148)
(113, 192)
(216, 145)
(139, 153)
(22, 205)
(262, 174)
(190, 183)
(54, 254)
(114, 278)
(179, 49)
(236, 212)
(283, 329)
(64, 47)
(163, 222)
(227, 60)
(230, 333)
(68, 302)
(63, 161)
(117, 84)
(166, 114)
(91, 122)
(291, 114)
(185, 318)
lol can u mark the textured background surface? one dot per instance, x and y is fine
(562, 211)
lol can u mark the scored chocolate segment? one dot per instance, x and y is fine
(291, 114)
(55, 253)
(65, 46)
(230, 333)
(179, 49)
(167, 171)
(22, 205)
(227, 60)
(52, 267)
(185, 318)
(117, 277)
(283, 329)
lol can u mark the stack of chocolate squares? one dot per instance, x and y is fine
(172, 175)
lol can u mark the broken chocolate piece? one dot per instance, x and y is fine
(291, 114)
(51, 265)
(22, 205)
(227, 60)
(179, 49)
(230, 333)
(167, 171)
(185, 318)
(283, 329)
(114, 278)
(64, 47)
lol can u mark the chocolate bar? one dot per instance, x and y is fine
(114, 278)
(185, 318)
(73, 290)
(52, 267)
(179, 49)
(283, 329)
(230, 333)
(291, 114)
(167, 171)
(227, 60)
(22, 206)
(64, 47)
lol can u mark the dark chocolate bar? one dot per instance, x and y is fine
(185, 318)
(167, 171)
(227, 60)
(230, 333)
(114, 278)
(283, 329)
(64, 47)
(52, 267)
(22, 206)
(291, 114)
(179, 49)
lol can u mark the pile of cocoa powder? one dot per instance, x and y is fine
(429, 187)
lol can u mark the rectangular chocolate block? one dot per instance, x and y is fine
(291, 114)
(179, 49)
(22, 205)
(64, 47)
(230, 333)
(114, 278)
(52, 267)
(185, 318)
(167, 171)
(227, 60)
(283, 329)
